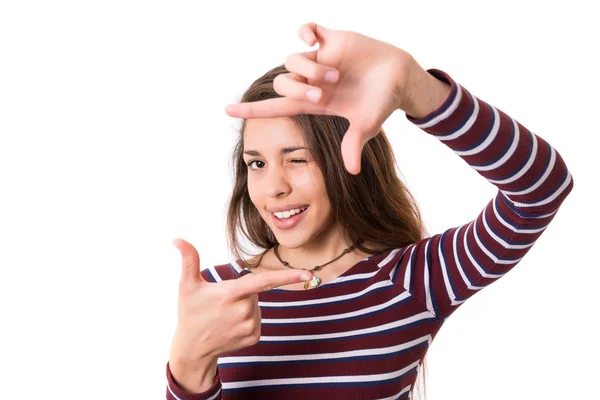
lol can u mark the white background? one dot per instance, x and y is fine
(114, 141)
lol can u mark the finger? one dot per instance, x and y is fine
(190, 260)
(265, 281)
(352, 146)
(312, 33)
(305, 64)
(291, 86)
(271, 108)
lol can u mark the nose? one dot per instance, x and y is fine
(276, 182)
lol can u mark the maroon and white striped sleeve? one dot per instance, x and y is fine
(174, 392)
(532, 179)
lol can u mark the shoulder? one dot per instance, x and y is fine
(223, 272)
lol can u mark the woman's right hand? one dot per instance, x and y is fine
(216, 318)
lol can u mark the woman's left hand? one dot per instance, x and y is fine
(372, 79)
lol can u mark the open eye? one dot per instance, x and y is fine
(252, 162)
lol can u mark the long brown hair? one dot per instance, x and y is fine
(375, 207)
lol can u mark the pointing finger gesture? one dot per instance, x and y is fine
(215, 318)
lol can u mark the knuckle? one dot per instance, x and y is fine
(257, 331)
(225, 297)
(244, 310)
(278, 84)
(255, 337)
(316, 71)
(274, 108)
(290, 61)
(249, 328)
(252, 334)
(264, 285)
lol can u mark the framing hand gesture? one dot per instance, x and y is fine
(351, 75)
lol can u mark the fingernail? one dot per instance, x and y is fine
(306, 277)
(313, 95)
(331, 76)
(308, 37)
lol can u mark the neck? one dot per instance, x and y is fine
(319, 251)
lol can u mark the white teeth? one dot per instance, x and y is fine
(289, 213)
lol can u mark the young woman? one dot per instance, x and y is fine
(348, 292)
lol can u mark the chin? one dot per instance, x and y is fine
(289, 239)
(291, 242)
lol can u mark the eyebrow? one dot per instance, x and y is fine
(285, 150)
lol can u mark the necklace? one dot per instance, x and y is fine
(315, 281)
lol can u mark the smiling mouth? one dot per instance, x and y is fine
(290, 222)
(282, 216)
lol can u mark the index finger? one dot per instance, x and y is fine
(263, 282)
(273, 108)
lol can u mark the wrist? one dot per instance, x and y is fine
(424, 93)
(194, 378)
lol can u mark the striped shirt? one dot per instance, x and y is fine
(364, 335)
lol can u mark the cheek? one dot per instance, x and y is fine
(310, 182)
(306, 185)
(254, 194)
(304, 179)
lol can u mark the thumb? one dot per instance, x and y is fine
(352, 146)
(190, 261)
(312, 33)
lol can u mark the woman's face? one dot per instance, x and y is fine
(282, 175)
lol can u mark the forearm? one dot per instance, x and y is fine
(529, 172)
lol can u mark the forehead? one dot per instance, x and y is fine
(265, 133)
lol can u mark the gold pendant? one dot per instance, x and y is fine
(314, 282)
